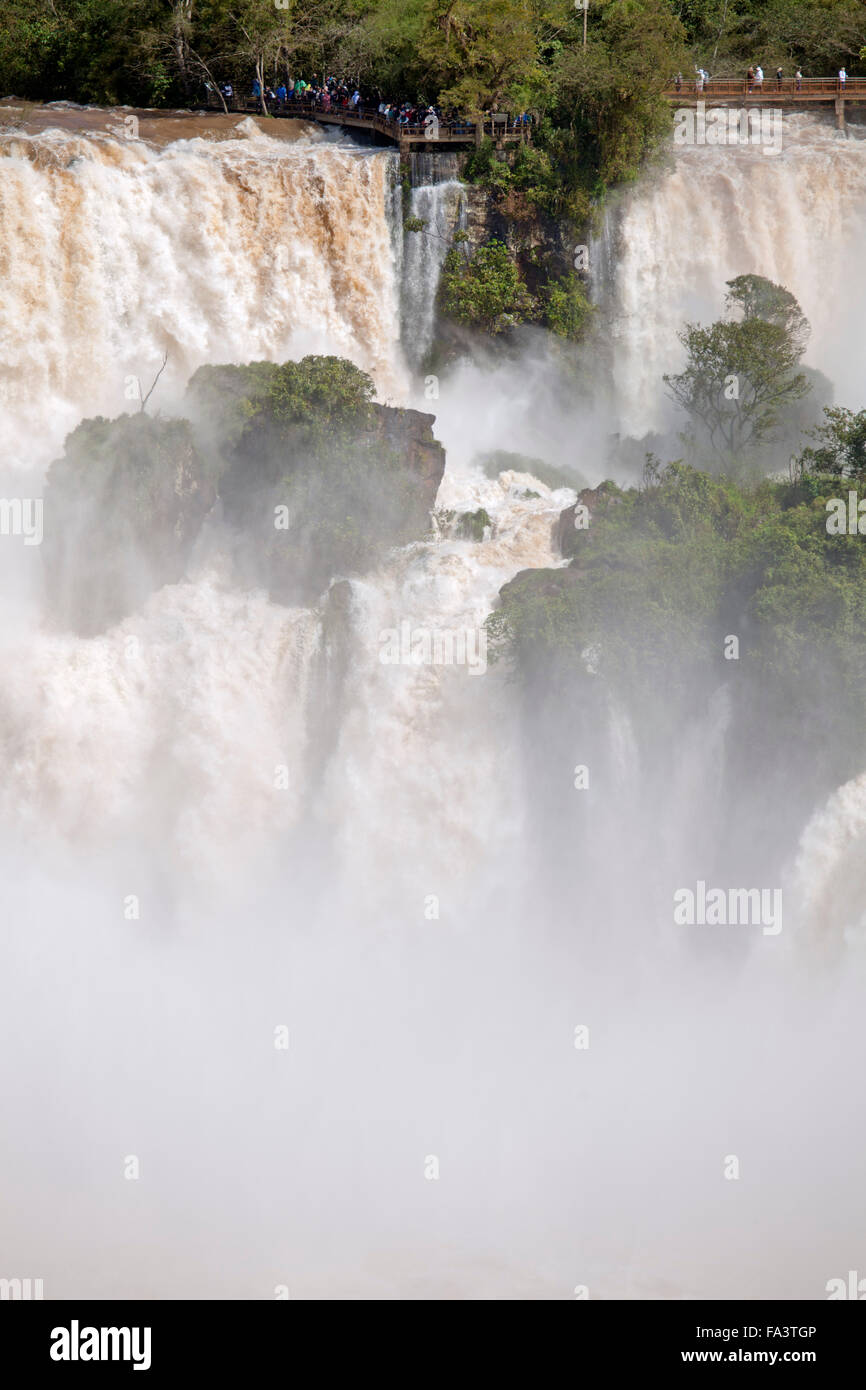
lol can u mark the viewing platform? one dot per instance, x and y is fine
(808, 92)
(499, 127)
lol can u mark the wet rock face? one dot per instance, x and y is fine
(409, 433)
(513, 222)
(306, 509)
(306, 494)
(573, 526)
(123, 509)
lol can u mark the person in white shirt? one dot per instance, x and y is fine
(843, 77)
(759, 77)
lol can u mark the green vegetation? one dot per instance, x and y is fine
(840, 449)
(742, 375)
(502, 461)
(815, 35)
(132, 494)
(472, 525)
(598, 106)
(665, 572)
(353, 478)
(469, 54)
(314, 480)
(566, 307)
(320, 393)
(485, 290)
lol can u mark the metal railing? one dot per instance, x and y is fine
(816, 87)
(498, 126)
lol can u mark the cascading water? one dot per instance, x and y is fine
(796, 216)
(115, 253)
(377, 901)
(442, 209)
(232, 250)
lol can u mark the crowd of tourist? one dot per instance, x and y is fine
(333, 94)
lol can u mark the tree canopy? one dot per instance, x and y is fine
(742, 374)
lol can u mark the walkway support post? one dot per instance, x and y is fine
(840, 114)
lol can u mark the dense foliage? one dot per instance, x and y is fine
(597, 106)
(483, 290)
(665, 573)
(313, 481)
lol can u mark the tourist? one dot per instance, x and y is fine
(699, 80)
(759, 78)
(750, 79)
(843, 77)
(678, 82)
(798, 80)
(779, 78)
(281, 96)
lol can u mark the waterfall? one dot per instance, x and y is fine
(797, 217)
(442, 208)
(225, 820)
(115, 252)
(440, 166)
(237, 249)
(830, 869)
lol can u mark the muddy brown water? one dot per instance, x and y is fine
(157, 128)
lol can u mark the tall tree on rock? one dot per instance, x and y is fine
(742, 373)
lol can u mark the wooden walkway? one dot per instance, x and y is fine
(810, 91)
(450, 134)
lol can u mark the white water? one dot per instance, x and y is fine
(441, 206)
(142, 762)
(797, 217)
(114, 253)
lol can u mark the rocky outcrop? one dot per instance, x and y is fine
(313, 494)
(315, 482)
(123, 508)
(571, 526)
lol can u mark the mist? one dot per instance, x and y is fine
(380, 1004)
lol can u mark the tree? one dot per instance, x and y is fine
(741, 375)
(261, 31)
(610, 93)
(481, 53)
(757, 298)
(841, 445)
